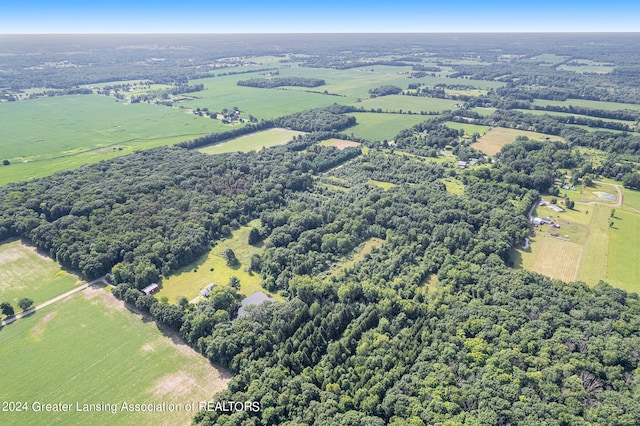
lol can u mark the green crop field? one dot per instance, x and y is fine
(223, 92)
(45, 135)
(416, 104)
(609, 106)
(253, 142)
(26, 273)
(212, 268)
(377, 127)
(89, 349)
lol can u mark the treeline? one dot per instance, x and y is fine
(269, 83)
(327, 119)
(219, 137)
(331, 118)
(385, 91)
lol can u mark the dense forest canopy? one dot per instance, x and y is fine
(432, 323)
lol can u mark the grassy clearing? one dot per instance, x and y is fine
(191, 279)
(378, 127)
(26, 273)
(339, 143)
(593, 265)
(90, 349)
(253, 142)
(601, 193)
(397, 103)
(381, 184)
(453, 185)
(623, 268)
(550, 256)
(493, 141)
(367, 247)
(485, 112)
(631, 199)
(609, 106)
(468, 128)
(68, 131)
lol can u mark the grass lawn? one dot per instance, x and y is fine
(26, 273)
(631, 199)
(550, 256)
(469, 129)
(416, 104)
(601, 193)
(192, 278)
(493, 141)
(64, 132)
(253, 141)
(623, 268)
(378, 127)
(485, 112)
(90, 349)
(595, 257)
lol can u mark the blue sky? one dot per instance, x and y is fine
(252, 16)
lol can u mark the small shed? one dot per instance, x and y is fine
(151, 288)
(206, 292)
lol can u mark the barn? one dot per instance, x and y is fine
(151, 288)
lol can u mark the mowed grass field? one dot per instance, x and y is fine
(90, 349)
(468, 128)
(45, 135)
(586, 247)
(253, 142)
(26, 273)
(191, 279)
(493, 141)
(378, 127)
(623, 268)
(609, 106)
(415, 104)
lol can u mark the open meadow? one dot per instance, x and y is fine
(212, 268)
(493, 141)
(378, 127)
(90, 349)
(404, 103)
(253, 142)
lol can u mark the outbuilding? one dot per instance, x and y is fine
(151, 288)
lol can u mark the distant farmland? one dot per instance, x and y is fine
(45, 135)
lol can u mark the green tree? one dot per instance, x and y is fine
(230, 257)
(254, 236)
(5, 162)
(25, 303)
(234, 282)
(7, 309)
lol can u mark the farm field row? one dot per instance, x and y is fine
(89, 349)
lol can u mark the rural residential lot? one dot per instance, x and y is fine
(444, 229)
